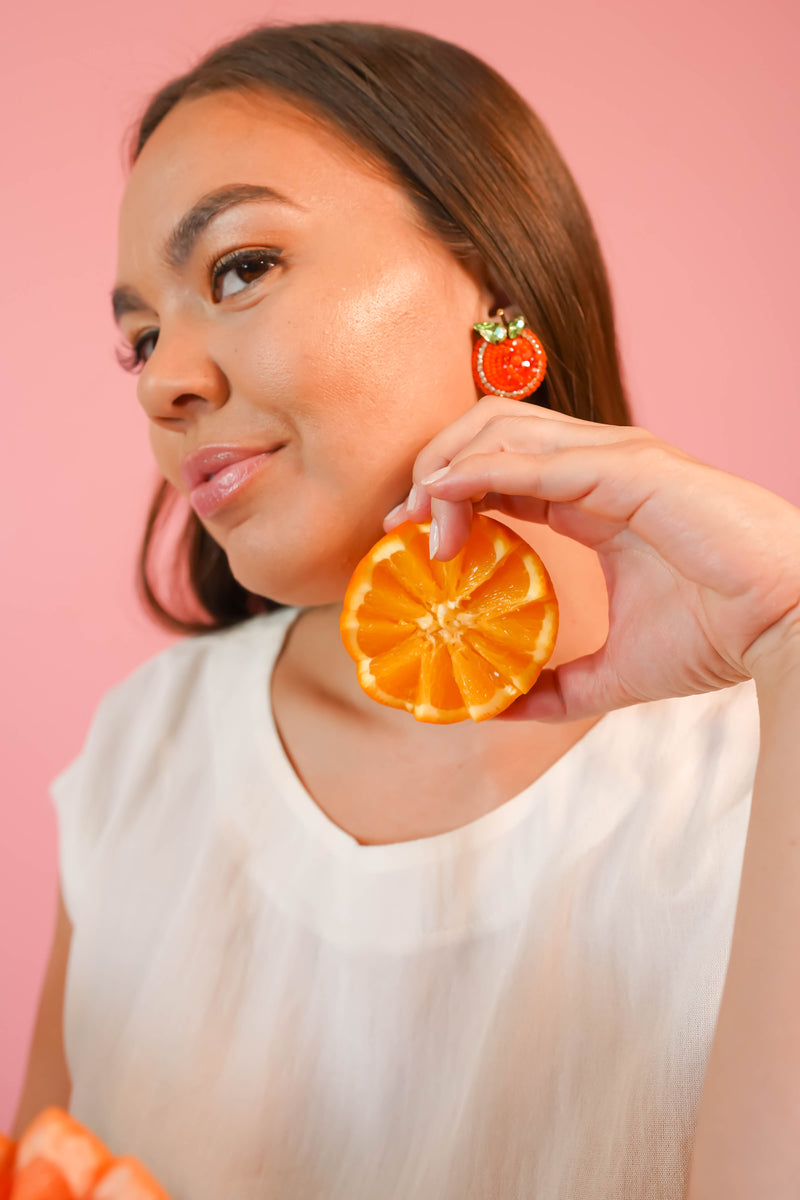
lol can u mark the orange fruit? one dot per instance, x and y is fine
(40, 1179)
(128, 1179)
(450, 640)
(62, 1141)
(8, 1154)
(58, 1158)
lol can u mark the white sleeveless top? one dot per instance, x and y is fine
(261, 1008)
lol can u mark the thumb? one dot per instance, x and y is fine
(582, 688)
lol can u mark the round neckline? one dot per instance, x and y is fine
(450, 843)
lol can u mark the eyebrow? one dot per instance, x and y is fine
(181, 241)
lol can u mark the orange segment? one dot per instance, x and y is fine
(40, 1179)
(450, 640)
(438, 698)
(8, 1154)
(128, 1179)
(57, 1137)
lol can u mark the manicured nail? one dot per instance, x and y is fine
(394, 511)
(413, 496)
(436, 475)
(433, 538)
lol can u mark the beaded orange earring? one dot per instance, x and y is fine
(507, 359)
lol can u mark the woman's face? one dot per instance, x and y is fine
(343, 336)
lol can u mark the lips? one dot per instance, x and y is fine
(216, 474)
(199, 466)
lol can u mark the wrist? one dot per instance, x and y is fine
(774, 657)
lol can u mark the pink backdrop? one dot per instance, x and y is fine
(679, 123)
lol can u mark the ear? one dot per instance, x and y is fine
(494, 295)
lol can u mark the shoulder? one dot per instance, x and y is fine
(149, 740)
(141, 717)
(169, 679)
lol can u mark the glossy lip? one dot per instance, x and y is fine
(199, 466)
(216, 474)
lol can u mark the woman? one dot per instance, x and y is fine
(320, 949)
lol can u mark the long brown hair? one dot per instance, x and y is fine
(485, 177)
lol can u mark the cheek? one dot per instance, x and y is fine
(397, 327)
(364, 374)
(338, 394)
(393, 345)
(166, 454)
(381, 391)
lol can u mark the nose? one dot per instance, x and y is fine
(181, 376)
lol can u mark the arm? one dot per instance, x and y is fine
(747, 1140)
(47, 1076)
(703, 576)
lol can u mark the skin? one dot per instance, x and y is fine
(701, 567)
(703, 573)
(355, 351)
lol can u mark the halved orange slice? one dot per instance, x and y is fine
(61, 1140)
(40, 1179)
(8, 1154)
(450, 640)
(128, 1179)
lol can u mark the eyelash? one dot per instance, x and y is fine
(130, 357)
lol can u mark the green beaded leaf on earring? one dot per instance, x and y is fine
(492, 331)
(496, 331)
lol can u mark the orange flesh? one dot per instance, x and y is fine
(40, 1180)
(128, 1179)
(57, 1137)
(59, 1158)
(450, 640)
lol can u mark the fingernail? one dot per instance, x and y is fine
(394, 511)
(433, 538)
(412, 497)
(436, 475)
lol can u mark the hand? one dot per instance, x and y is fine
(702, 567)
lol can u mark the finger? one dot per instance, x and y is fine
(409, 510)
(587, 493)
(438, 453)
(565, 475)
(574, 691)
(450, 526)
(454, 519)
(498, 425)
(521, 508)
(521, 428)
(514, 435)
(441, 449)
(542, 703)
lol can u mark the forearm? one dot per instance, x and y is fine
(747, 1141)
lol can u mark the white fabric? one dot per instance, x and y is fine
(259, 1007)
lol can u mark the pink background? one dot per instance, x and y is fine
(679, 123)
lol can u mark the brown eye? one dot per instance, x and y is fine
(236, 271)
